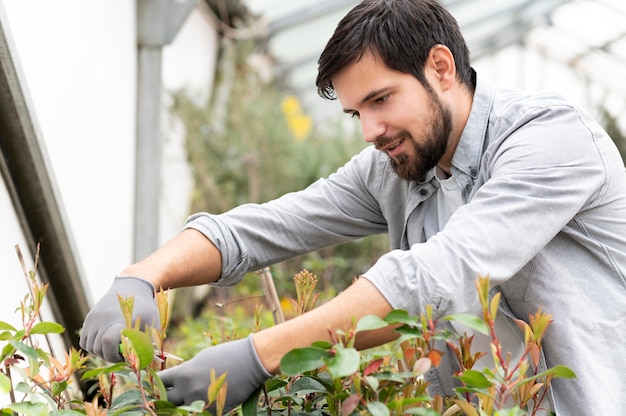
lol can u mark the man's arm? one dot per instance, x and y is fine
(191, 259)
(360, 299)
(188, 259)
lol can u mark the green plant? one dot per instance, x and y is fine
(333, 378)
(327, 378)
(38, 384)
(34, 380)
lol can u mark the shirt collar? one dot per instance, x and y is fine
(470, 147)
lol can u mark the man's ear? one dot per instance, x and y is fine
(442, 61)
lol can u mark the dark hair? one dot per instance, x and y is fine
(401, 32)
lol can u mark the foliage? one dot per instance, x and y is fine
(328, 378)
(333, 378)
(24, 362)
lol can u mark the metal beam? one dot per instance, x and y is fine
(158, 21)
(308, 13)
(28, 177)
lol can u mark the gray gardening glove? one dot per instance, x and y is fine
(190, 381)
(101, 330)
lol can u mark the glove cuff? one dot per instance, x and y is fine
(132, 280)
(256, 358)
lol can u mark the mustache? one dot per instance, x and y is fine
(383, 141)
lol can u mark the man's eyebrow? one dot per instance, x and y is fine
(368, 97)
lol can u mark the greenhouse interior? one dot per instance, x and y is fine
(256, 62)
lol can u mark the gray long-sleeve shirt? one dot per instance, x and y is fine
(544, 217)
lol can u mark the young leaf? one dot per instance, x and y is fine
(560, 371)
(476, 379)
(216, 386)
(466, 407)
(47, 328)
(470, 321)
(344, 363)
(495, 302)
(105, 370)
(6, 327)
(370, 322)
(5, 383)
(399, 316)
(141, 344)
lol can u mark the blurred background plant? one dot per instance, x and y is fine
(252, 142)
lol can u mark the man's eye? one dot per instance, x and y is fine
(355, 115)
(381, 100)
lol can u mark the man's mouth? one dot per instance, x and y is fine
(393, 149)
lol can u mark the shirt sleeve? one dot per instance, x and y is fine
(333, 210)
(542, 169)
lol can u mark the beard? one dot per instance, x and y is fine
(426, 153)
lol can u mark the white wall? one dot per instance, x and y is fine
(80, 59)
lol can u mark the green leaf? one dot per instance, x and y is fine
(274, 384)
(344, 363)
(4, 326)
(58, 387)
(322, 344)
(307, 385)
(476, 379)
(142, 345)
(104, 370)
(250, 406)
(470, 321)
(29, 409)
(159, 386)
(164, 407)
(514, 411)
(30, 353)
(370, 322)
(558, 371)
(377, 409)
(68, 412)
(409, 332)
(47, 328)
(5, 383)
(195, 407)
(27, 350)
(300, 360)
(7, 335)
(399, 316)
(421, 411)
(127, 400)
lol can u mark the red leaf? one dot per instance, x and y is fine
(371, 367)
(435, 357)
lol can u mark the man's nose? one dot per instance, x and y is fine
(372, 128)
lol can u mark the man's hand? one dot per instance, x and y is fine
(190, 381)
(101, 330)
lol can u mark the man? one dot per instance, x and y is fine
(467, 179)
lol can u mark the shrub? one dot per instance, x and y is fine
(327, 378)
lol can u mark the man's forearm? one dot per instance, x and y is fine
(360, 299)
(188, 259)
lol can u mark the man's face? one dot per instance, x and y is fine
(398, 115)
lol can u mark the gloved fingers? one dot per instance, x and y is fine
(106, 344)
(174, 395)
